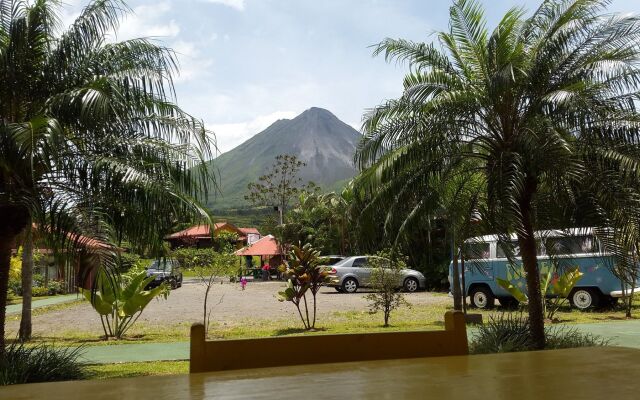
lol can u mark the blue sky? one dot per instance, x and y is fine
(246, 63)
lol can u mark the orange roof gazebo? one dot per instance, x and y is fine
(267, 246)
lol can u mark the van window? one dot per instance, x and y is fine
(475, 251)
(571, 245)
(500, 249)
(515, 246)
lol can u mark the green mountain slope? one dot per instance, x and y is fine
(316, 137)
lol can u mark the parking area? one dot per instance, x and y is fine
(231, 304)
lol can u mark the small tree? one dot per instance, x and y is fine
(279, 185)
(386, 278)
(221, 264)
(225, 242)
(305, 274)
(192, 258)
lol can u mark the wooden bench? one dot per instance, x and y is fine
(224, 355)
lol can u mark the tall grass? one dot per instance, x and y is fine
(510, 332)
(40, 363)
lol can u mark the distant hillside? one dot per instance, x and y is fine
(316, 137)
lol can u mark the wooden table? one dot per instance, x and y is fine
(586, 373)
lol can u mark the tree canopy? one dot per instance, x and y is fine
(536, 119)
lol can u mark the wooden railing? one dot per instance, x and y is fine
(222, 355)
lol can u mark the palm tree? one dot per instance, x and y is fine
(533, 108)
(90, 140)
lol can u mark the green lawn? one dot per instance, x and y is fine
(418, 317)
(126, 370)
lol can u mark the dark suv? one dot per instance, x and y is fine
(165, 270)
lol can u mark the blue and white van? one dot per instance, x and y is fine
(485, 261)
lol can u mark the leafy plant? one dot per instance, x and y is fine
(140, 266)
(559, 288)
(305, 274)
(40, 363)
(510, 332)
(120, 306)
(386, 275)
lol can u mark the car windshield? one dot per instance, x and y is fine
(161, 265)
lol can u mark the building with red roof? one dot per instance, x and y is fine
(200, 236)
(267, 248)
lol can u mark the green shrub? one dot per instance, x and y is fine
(40, 363)
(38, 291)
(15, 286)
(190, 258)
(128, 261)
(55, 287)
(15, 273)
(38, 280)
(510, 332)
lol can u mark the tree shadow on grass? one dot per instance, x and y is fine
(297, 331)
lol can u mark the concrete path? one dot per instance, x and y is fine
(49, 301)
(623, 333)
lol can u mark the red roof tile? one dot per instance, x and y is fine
(203, 231)
(247, 231)
(267, 246)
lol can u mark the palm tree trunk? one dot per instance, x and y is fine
(456, 292)
(528, 251)
(13, 220)
(27, 282)
(463, 283)
(6, 239)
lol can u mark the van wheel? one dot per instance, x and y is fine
(482, 297)
(585, 298)
(508, 302)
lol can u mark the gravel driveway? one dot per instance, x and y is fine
(185, 305)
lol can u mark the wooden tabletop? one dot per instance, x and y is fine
(586, 373)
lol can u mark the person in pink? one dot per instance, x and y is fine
(243, 282)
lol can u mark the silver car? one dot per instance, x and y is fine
(355, 272)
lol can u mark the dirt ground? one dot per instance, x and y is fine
(185, 305)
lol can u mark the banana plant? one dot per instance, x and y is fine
(118, 305)
(559, 287)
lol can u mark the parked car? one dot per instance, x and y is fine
(333, 259)
(165, 270)
(354, 272)
(485, 261)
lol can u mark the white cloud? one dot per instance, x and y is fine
(237, 4)
(192, 65)
(148, 21)
(231, 135)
